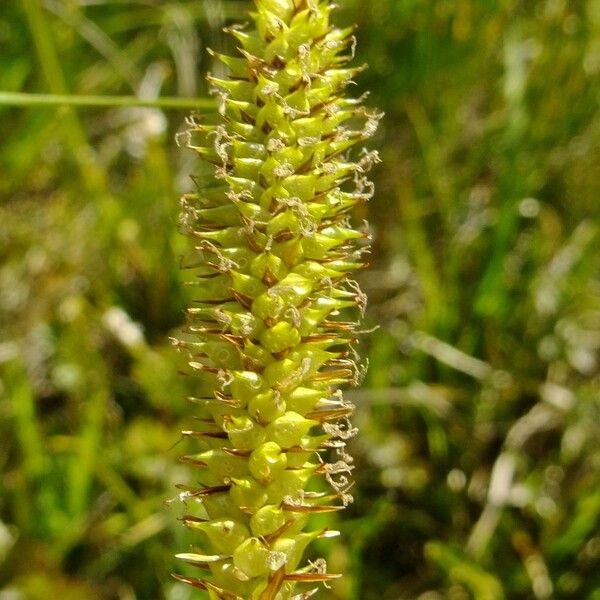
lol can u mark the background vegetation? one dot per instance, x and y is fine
(478, 463)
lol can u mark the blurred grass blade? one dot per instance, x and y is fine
(29, 441)
(482, 584)
(26, 424)
(98, 39)
(92, 175)
(82, 465)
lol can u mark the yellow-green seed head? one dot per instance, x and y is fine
(270, 337)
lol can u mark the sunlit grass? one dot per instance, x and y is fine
(478, 462)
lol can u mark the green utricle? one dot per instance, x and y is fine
(271, 331)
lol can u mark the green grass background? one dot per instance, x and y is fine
(478, 462)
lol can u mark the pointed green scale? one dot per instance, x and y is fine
(331, 174)
(279, 372)
(318, 211)
(214, 289)
(268, 264)
(226, 577)
(247, 285)
(245, 324)
(245, 385)
(293, 289)
(280, 337)
(270, 117)
(245, 433)
(223, 465)
(267, 462)
(300, 186)
(299, 459)
(267, 406)
(290, 251)
(248, 493)
(238, 67)
(252, 43)
(335, 148)
(224, 534)
(311, 127)
(208, 197)
(242, 185)
(278, 48)
(252, 558)
(207, 153)
(274, 169)
(285, 221)
(308, 25)
(318, 246)
(250, 211)
(289, 484)
(267, 520)
(241, 90)
(228, 237)
(338, 78)
(284, 9)
(314, 271)
(300, 100)
(245, 131)
(292, 156)
(244, 149)
(222, 413)
(221, 506)
(288, 430)
(247, 168)
(264, 88)
(293, 548)
(290, 76)
(339, 117)
(312, 318)
(222, 355)
(303, 399)
(345, 266)
(227, 215)
(318, 94)
(268, 305)
(260, 357)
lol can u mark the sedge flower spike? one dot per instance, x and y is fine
(271, 335)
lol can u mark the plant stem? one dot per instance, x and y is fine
(27, 99)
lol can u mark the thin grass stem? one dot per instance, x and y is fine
(28, 99)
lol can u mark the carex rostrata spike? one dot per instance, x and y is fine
(270, 336)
